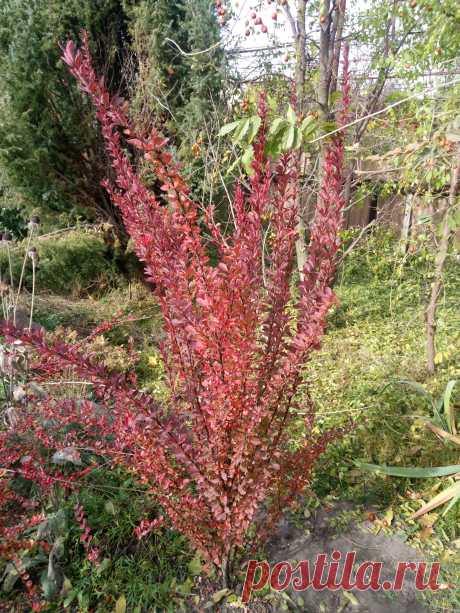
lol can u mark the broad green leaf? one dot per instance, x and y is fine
(103, 566)
(272, 103)
(255, 123)
(70, 598)
(83, 600)
(246, 160)
(220, 595)
(276, 136)
(291, 116)
(277, 126)
(185, 588)
(417, 387)
(229, 127)
(10, 576)
(273, 147)
(289, 138)
(328, 125)
(411, 473)
(308, 126)
(66, 586)
(297, 138)
(241, 131)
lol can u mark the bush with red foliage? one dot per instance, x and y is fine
(217, 455)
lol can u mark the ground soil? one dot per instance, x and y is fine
(319, 536)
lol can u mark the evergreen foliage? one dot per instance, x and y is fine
(49, 148)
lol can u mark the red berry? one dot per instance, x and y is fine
(264, 29)
(258, 21)
(248, 33)
(275, 16)
(253, 15)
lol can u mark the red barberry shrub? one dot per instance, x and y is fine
(217, 454)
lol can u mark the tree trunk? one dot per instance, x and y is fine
(446, 233)
(336, 48)
(373, 99)
(301, 67)
(324, 58)
(407, 221)
(332, 17)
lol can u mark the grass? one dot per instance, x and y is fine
(152, 574)
(149, 573)
(376, 338)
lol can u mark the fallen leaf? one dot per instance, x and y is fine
(120, 605)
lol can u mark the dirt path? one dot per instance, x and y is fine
(318, 536)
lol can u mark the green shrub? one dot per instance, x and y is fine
(12, 220)
(73, 264)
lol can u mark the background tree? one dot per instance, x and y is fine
(178, 70)
(392, 44)
(175, 80)
(48, 146)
